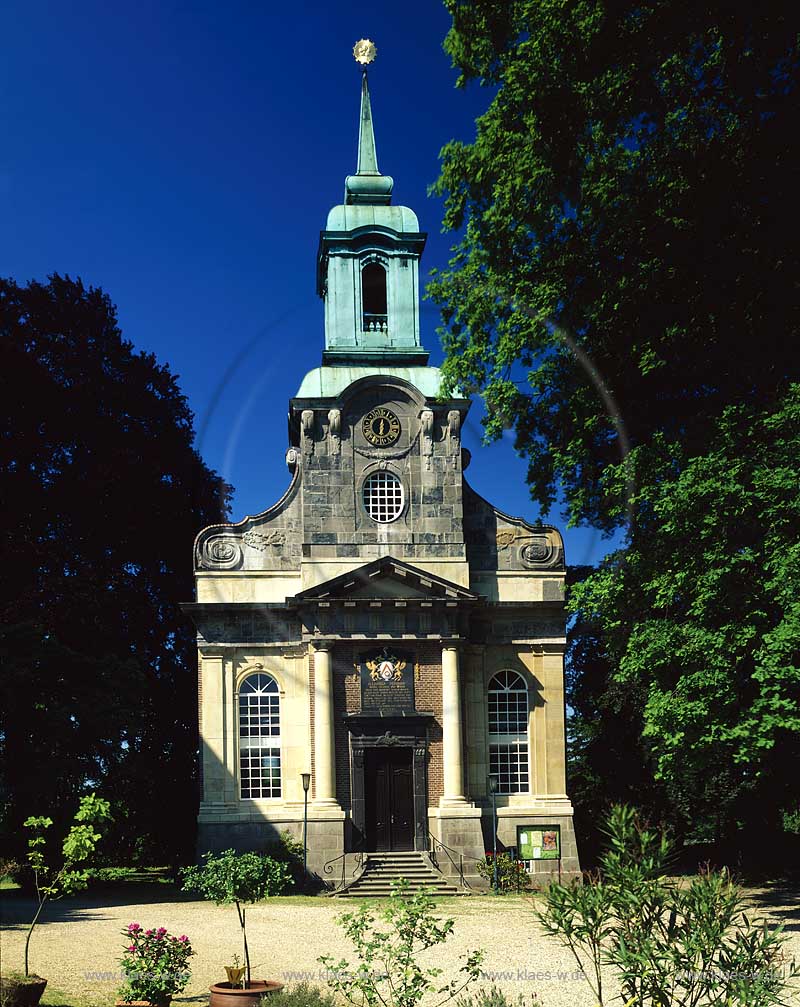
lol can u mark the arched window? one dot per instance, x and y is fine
(383, 496)
(373, 297)
(259, 737)
(508, 732)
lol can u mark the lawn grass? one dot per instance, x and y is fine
(54, 997)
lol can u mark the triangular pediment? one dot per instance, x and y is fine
(387, 578)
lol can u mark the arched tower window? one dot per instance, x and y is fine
(508, 732)
(373, 297)
(259, 737)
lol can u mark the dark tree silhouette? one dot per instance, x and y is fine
(103, 493)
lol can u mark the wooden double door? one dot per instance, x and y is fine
(389, 799)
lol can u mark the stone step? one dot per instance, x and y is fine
(384, 891)
(382, 869)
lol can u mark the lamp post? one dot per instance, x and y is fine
(306, 778)
(492, 786)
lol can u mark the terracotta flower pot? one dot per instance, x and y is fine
(226, 995)
(22, 991)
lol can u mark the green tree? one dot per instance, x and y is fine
(702, 612)
(624, 295)
(54, 882)
(609, 761)
(103, 494)
(230, 879)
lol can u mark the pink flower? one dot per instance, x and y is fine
(161, 930)
(184, 939)
(132, 947)
(149, 933)
(134, 927)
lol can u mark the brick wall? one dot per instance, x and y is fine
(347, 699)
(428, 697)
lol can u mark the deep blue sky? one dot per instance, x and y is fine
(183, 157)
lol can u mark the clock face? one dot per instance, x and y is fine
(381, 427)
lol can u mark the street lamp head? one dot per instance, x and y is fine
(306, 778)
(492, 783)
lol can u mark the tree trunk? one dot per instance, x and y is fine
(30, 931)
(241, 913)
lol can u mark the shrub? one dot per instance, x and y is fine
(228, 878)
(288, 850)
(511, 874)
(388, 971)
(302, 995)
(689, 947)
(494, 997)
(9, 868)
(155, 964)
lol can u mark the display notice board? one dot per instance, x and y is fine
(539, 842)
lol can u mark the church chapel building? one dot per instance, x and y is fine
(382, 626)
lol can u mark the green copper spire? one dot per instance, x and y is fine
(368, 185)
(367, 158)
(368, 271)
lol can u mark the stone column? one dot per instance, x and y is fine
(324, 761)
(451, 728)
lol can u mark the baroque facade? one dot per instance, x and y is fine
(382, 626)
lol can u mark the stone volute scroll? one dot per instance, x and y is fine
(220, 552)
(335, 430)
(426, 429)
(307, 428)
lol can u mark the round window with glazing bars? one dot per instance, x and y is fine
(384, 496)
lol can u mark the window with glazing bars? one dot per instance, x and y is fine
(383, 496)
(508, 732)
(259, 737)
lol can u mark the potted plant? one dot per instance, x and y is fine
(155, 965)
(229, 878)
(236, 972)
(54, 881)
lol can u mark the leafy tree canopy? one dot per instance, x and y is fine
(710, 631)
(104, 493)
(628, 218)
(624, 294)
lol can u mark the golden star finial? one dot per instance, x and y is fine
(364, 51)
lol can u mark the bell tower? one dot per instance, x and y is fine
(368, 266)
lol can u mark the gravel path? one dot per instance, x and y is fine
(78, 945)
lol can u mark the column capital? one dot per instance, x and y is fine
(323, 645)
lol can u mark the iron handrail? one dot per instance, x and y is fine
(435, 845)
(328, 868)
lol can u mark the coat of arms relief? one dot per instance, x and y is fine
(386, 668)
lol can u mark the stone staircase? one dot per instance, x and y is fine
(381, 869)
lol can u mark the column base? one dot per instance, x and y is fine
(325, 804)
(455, 802)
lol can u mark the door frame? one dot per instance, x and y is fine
(364, 734)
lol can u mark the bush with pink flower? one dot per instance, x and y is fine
(155, 964)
